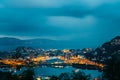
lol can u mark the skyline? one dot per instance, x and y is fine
(87, 22)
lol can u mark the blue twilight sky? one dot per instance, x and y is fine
(89, 22)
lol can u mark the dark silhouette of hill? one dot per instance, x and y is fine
(109, 48)
(12, 43)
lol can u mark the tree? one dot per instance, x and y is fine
(73, 76)
(54, 78)
(80, 76)
(28, 75)
(112, 70)
(64, 76)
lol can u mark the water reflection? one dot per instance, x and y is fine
(57, 70)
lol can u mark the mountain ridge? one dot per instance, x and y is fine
(35, 43)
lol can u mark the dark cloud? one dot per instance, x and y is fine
(78, 20)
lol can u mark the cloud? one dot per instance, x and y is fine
(110, 11)
(56, 3)
(75, 8)
(2, 6)
(96, 3)
(84, 20)
(71, 22)
(35, 3)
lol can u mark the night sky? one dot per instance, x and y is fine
(89, 22)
